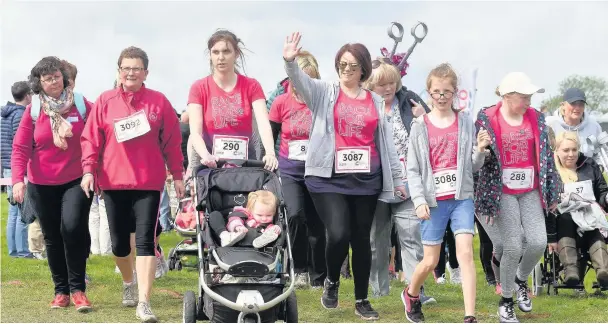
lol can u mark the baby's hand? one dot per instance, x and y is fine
(241, 228)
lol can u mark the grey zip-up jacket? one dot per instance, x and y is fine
(320, 97)
(419, 172)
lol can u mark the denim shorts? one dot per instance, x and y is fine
(459, 212)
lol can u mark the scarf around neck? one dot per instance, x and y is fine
(55, 109)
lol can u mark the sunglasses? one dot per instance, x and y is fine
(376, 63)
(353, 66)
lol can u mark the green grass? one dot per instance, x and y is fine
(27, 289)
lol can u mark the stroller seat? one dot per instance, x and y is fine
(245, 261)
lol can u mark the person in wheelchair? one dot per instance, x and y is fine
(583, 183)
(257, 216)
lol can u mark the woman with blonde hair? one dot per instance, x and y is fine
(401, 106)
(291, 119)
(582, 176)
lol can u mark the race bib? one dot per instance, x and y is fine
(353, 159)
(445, 182)
(231, 147)
(131, 127)
(581, 188)
(402, 163)
(517, 179)
(72, 119)
(298, 149)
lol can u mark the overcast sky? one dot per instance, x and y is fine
(546, 40)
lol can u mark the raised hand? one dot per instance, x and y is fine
(290, 48)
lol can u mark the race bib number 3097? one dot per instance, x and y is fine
(353, 159)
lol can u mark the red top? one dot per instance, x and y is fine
(46, 163)
(443, 150)
(227, 113)
(517, 152)
(137, 163)
(295, 119)
(355, 122)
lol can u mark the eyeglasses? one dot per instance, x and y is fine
(377, 63)
(52, 80)
(129, 69)
(353, 66)
(447, 95)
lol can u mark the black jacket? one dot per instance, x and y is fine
(405, 106)
(586, 169)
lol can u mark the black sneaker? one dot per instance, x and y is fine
(364, 310)
(413, 307)
(329, 299)
(470, 319)
(506, 312)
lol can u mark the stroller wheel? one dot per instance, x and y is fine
(291, 308)
(189, 315)
(178, 265)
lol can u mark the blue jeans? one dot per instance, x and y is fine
(165, 211)
(16, 230)
(459, 212)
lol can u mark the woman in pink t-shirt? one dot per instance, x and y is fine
(222, 106)
(516, 183)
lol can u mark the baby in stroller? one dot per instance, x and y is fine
(257, 218)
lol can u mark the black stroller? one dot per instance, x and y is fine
(259, 291)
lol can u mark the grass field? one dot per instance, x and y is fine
(27, 289)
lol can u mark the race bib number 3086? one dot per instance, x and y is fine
(353, 159)
(231, 147)
(445, 182)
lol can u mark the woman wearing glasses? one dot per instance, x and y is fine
(132, 131)
(354, 163)
(401, 106)
(47, 145)
(222, 107)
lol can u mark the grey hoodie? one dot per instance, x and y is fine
(588, 126)
(320, 97)
(420, 173)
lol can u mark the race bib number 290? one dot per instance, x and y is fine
(353, 159)
(231, 147)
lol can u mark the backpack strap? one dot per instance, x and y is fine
(80, 105)
(35, 110)
(78, 101)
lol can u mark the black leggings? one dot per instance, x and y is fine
(347, 218)
(306, 231)
(63, 213)
(132, 211)
(485, 252)
(395, 243)
(448, 239)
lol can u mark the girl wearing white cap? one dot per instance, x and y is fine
(517, 181)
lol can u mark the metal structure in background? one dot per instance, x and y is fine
(598, 148)
(399, 37)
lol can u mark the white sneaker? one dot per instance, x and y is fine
(266, 238)
(231, 238)
(161, 265)
(301, 280)
(144, 313)
(441, 280)
(129, 294)
(455, 277)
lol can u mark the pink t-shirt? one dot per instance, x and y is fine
(227, 116)
(295, 119)
(518, 157)
(443, 150)
(355, 122)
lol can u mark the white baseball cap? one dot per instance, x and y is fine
(518, 82)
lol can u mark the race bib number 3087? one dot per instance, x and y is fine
(231, 147)
(353, 159)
